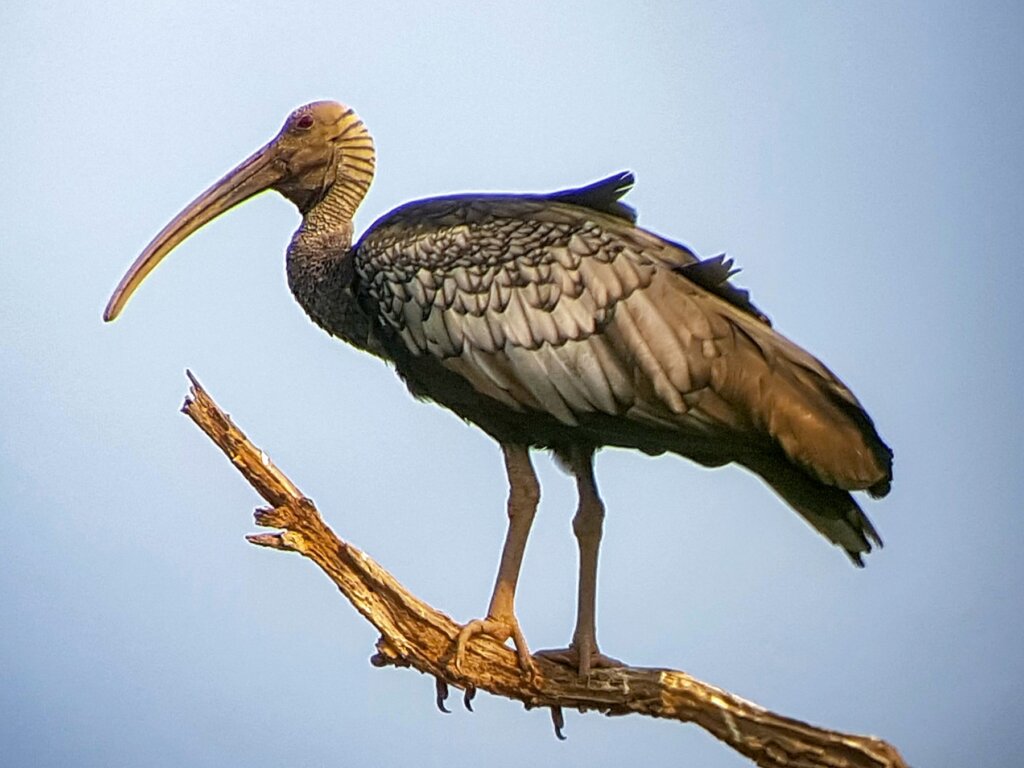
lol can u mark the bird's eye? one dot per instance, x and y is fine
(305, 122)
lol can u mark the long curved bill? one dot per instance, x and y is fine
(252, 176)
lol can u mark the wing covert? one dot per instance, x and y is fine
(542, 306)
(522, 279)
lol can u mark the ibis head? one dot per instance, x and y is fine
(322, 160)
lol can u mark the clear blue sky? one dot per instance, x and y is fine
(862, 162)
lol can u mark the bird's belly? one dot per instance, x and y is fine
(427, 378)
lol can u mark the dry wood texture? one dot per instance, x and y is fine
(414, 634)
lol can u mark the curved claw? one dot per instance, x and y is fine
(468, 696)
(558, 720)
(442, 695)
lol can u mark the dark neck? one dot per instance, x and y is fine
(321, 275)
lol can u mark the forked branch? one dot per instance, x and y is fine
(414, 634)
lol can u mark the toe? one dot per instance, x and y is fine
(582, 661)
(499, 629)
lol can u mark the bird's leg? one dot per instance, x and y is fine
(583, 653)
(501, 622)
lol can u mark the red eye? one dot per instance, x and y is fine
(304, 122)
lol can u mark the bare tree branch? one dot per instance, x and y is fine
(413, 634)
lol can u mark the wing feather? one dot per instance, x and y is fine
(638, 344)
(535, 372)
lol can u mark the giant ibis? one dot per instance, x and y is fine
(552, 321)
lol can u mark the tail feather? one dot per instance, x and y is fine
(831, 511)
(806, 409)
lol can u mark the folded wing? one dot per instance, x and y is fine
(553, 305)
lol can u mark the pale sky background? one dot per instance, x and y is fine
(863, 162)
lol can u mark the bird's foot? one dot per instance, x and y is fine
(582, 657)
(501, 629)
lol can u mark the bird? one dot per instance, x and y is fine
(554, 322)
